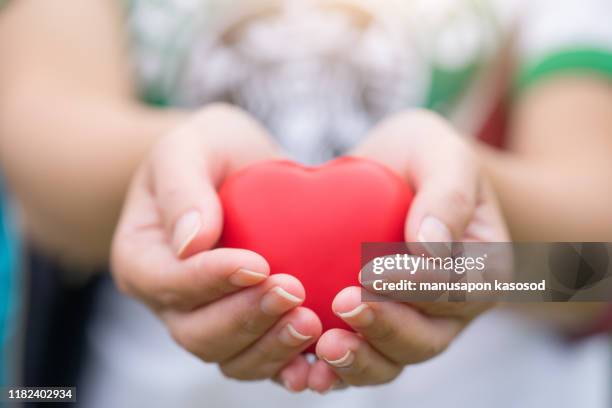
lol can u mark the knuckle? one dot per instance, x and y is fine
(169, 194)
(373, 375)
(175, 145)
(164, 144)
(464, 155)
(173, 200)
(217, 108)
(220, 111)
(206, 357)
(459, 201)
(433, 348)
(228, 371)
(424, 351)
(119, 253)
(425, 118)
(123, 285)
(359, 370)
(189, 340)
(359, 377)
(248, 325)
(161, 292)
(271, 356)
(120, 268)
(461, 153)
(182, 337)
(122, 277)
(168, 298)
(414, 114)
(234, 372)
(385, 377)
(207, 280)
(464, 151)
(427, 115)
(264, 353)
(383, 334)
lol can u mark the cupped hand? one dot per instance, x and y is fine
(218, 303)
(453, 202)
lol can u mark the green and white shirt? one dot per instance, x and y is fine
(320, 73)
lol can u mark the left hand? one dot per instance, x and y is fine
(453, 202)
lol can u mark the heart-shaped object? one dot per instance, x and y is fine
(310, 222)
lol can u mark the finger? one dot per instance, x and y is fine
(139, 212)
(354, 360)
(446, 198)
(322, 378)
(440, 166)
(294, 376)
(387, 285)
(183, 186)
(292, 334)
(488, 224)
(224, 328)
(398, 331)
(189, 164)
(144, 266)
(150, 272)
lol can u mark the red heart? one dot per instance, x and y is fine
(310, 221)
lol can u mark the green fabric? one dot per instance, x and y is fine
(585, 60)
(446, 86)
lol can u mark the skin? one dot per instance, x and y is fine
(66, 112)
(560, 152)
(53, 84)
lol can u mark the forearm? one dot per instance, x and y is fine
(553, 180)
(563, 200)
(71, 127)
(69, 159)
(548, 202)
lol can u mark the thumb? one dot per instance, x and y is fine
(446, 199)
(185, 194)
(438, 164)
(189, 164)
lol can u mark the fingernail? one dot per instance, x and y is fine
(277, 301)
(368, 283)
(289, 336)
(344, 361)
(433, 231)
(244, 277)
(361, 316)
(185, 230)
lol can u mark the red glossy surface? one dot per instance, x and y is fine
(310, 221)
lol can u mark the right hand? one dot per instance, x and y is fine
(218, 303)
